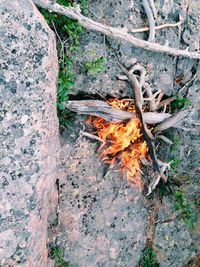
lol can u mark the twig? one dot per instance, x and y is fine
(151, 20)
(171, 122)
(152, 5)
(165, 139)
(187, 84)
(92, 136)
(160, 27)
(166, 102)
(120, 33)
(61, 42)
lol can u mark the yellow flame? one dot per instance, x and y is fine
(122, 142)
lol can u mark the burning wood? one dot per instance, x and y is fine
(104, 110)
(122, 128)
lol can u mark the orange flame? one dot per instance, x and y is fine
(122, 142)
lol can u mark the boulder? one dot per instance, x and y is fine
(29, 136)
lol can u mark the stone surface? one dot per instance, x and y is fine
(92, 207)
(102, 219)
(29, 140)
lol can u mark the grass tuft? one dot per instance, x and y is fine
(149, 258)
(56, 254)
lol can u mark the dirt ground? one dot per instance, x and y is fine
(103, 219)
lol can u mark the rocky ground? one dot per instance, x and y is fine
(104, 220)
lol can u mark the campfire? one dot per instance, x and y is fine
(129, 128)
(122, 141)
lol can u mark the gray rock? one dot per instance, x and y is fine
(102, 219)
(29, 141)
(92, 207)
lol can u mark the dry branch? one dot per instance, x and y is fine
(172, 121)
(74, 13)
(159, 27)
(92, 136)
(105, 111)
(150, 17)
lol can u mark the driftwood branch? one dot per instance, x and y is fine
(74, 13)
(105, 111)
(172, 121)
(150, 17)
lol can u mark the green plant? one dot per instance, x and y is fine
(175, 163)
(149, 258)
(57, 255)
(180, 102)
(83, 4)
(188, 214)
(67, 32)
(174, 148)
(95, 66)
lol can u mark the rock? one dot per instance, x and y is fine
(92, 206)
(102, 219)
(29, 138)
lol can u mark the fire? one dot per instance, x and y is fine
(122, 142)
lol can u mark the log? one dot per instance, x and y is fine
(104, 110)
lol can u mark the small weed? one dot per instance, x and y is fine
(180, 102)
(95, 66)
(57, 255)
(69, 32)
(187, 212)
(175, 163)
(176, 143)
(83, 4)
(174, 149)
(149, 258)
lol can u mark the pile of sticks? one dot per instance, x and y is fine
(145, 98)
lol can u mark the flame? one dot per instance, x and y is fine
(122, 142)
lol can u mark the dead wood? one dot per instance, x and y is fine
(92, 136)
(150, 17)
(137, 85)
(120, 33)
(159, 27)
(172, 121)
(105, 111)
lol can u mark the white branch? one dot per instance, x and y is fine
(120, 33)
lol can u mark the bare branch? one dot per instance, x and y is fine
(152, 5)
(160, 27)
(92, 136)
(74, 13)
(150, 17)
(172, 121)
(105, 111)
